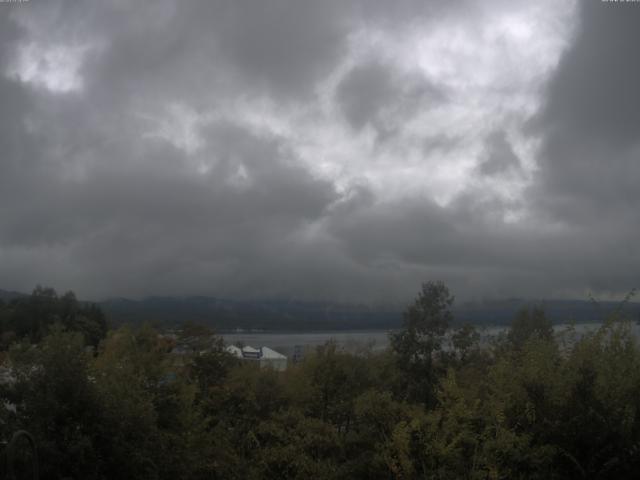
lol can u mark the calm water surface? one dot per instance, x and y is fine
(354, 340)
(285, 343)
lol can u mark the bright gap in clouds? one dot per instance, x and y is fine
(54, 67)
(492, 69)
(488, 69)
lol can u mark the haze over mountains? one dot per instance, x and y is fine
(291, 315)
(224, 314)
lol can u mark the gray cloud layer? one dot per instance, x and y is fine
(335, 150)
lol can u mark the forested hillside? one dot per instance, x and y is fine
(435, 405)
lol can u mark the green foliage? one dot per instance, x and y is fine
(420, 340)
(33, 316)
(526, 407)
(336, 378)
(465, 340)
(294, 446)
(56, 402)
(529, 323)
(212, 367)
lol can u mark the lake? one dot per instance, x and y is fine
(352, 341)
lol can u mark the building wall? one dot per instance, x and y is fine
(278, 364)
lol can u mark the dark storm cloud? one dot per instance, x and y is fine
(142, 224)
(282, 47)
(372, 91)
(130, 216)
(465, 244)
(440, 143)
(468, 245)
(286, 45)
(279, 47)
(14, 102)
(364, 92)
(179, 161)
(499, 156)
(591, 157)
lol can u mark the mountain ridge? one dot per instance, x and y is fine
(295, 315)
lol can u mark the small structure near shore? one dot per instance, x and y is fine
(265, 356)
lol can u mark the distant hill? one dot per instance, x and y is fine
(278, 315)
(226, 315)
(10, 295)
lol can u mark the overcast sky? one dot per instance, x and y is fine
(333, 149)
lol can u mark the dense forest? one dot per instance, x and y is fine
(437, 404)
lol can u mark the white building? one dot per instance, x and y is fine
(266, 357)
(272, 359)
